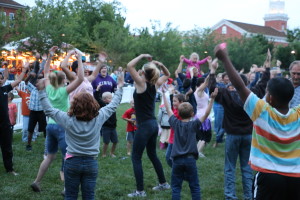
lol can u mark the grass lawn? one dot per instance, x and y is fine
(115, 178)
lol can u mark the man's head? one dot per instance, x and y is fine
(295, 72)
(185, 110)
(279, 91)
(107, 97)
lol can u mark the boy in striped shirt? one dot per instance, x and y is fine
(275, 147)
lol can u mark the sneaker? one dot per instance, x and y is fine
(201, 155)
(137, 194)
(13, 173)
(113, 155)
(35, 187)
(28, 147)
(164, 186)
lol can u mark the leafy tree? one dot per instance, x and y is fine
(293, 35)
(284, 55)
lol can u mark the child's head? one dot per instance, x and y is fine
(10, 96)
(132, 103)
(57, 78)
(107, 97)
(185, 110)
(151, 72)
(225, 78)
(177, 100)
(84, 107)
(194, 57)
(279, 91)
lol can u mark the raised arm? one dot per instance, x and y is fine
(20, 78)
(202, 87)
(163, 78)
(47, 65)
(64, 66)
(108, 110)
(179, 68)
(101, 59)
(168, 107)
(5, 74)
(73, 85)
(211, 102)
(139, 82)
(236, 80)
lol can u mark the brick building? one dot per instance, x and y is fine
(9, 8)
(274, 28)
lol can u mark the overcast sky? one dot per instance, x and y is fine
(186, 14)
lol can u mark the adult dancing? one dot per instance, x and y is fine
(147, 80)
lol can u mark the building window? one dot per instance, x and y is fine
(3, 18)
(282, 27)
(224, 30)
(11, 19)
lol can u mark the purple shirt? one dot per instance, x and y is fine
(108, 84)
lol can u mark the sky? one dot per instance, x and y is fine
(188, 14)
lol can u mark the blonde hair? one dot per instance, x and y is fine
(151, 71)
(56, 78)
(194, 54)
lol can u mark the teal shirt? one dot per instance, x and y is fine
(59, 98)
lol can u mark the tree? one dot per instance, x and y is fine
(284, 55)
(293, 35)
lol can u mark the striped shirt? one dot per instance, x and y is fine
(275, 146)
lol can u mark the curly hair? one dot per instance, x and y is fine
(84, 107)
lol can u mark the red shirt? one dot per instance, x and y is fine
(171, 138)
(130, 114)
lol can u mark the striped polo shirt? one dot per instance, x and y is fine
(275, 146)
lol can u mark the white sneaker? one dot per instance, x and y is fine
(137, 194)
(201, 155)
(164, 186)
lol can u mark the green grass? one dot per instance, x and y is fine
(115, 179)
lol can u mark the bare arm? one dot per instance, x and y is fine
(24, 70)
(179, 68)
(163, 78)
(101, 59)
(47, 65)
(5, 75)
(236, 80)
(168, 107)
(201, 88)
(208, 109)
(64, 66)
(73, 85)
(139, 82)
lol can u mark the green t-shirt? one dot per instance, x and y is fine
(59, 98)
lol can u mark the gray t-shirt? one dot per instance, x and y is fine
(82, 138)
(185, 142)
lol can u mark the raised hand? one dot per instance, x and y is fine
(221, 51)
(121, 80)
(214, 65)
(181, 58)
(52, 50)
(78, 54)
(102, 57)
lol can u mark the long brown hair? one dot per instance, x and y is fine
(84, 107)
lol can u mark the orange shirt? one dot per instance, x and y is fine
(25, 101)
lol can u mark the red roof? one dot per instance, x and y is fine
(265, 30)
(11, 2)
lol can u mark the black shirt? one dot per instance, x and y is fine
(4, 118)
(144, 104)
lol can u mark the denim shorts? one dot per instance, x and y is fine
(55, 139)
(109, 135)
(130, 136)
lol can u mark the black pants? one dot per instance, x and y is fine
(269, 186)
(6, 135)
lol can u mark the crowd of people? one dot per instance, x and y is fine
(258, 112)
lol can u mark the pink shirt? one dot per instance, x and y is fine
(193, 64)
(12, 111)
(85, 86)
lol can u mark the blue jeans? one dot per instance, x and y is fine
(145, 137)
(185, 167)
(25, 130)
(80, 170)
(219, 115)
(168, 155)
(237, 146)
